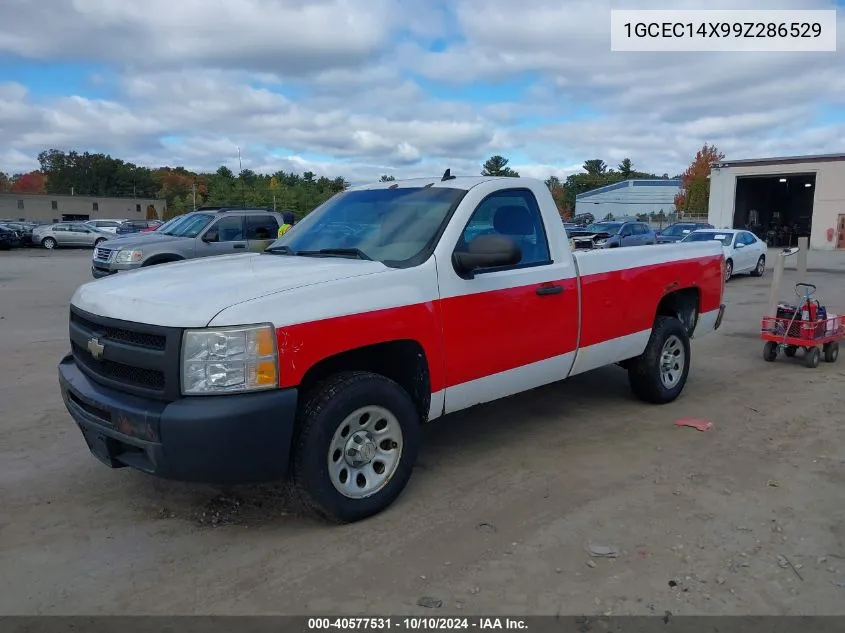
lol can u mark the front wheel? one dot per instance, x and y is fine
(729, 270)
(658, 376)
(357, 442)
(770, 351)
(49, 243)
(99, 241)
(760, 268)
(812, 357)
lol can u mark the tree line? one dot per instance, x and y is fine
(101, 175)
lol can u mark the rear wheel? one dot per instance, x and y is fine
(812, 357)
(49, 243)
(357, 442)
(760, 268)
(770, 351)
(831, 352)
(658, 376)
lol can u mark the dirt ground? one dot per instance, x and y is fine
(746, 518)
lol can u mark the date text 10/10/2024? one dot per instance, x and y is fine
(415, 624)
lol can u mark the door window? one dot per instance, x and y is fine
(261, 227)
(747, 239)
(514, 214)
(640, 229)
(79, 228)
(229, 229)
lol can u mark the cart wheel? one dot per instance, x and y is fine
(770, 351)
(812, 357)
(831, 352)
(790, 351)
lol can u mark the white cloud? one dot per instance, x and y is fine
(326, 84)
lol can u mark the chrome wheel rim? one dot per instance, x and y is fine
(49, 244)
(672, 358)
(365, 452)
(729, 269)
(761, 266)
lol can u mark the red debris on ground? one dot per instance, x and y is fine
(696, 423)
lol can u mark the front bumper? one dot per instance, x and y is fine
(229, 439)
(100, 269)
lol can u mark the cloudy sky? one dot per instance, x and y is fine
(359, 88)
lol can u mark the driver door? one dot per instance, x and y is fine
(626, 235)
(223, 237)
(512, 328)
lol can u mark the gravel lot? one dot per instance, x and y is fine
(746, 518)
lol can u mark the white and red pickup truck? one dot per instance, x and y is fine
(390, 305)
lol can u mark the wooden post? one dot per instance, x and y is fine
(777, 279)
(804, 246)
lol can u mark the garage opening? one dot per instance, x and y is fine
(75, 217)
(777, 209)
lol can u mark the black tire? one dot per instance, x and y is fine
(49, 243)
(812, 357)
(831, 352)
(99, 241)
(729, 270)
(320, 415)
(760, 268)
(790, 351)
(770, 351)
(644, 372)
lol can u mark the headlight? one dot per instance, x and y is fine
(128, 256)
(601, 242)
(229, 360)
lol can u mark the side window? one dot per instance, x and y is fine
(229, 228)
(62, 227)
(640, 229)
(260, 227)
(514, 214)
(748, 238)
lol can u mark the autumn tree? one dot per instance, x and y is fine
(498, 166)
(33, 182)
(558, 191)
(694, 197)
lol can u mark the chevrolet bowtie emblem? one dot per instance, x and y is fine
(96, 348)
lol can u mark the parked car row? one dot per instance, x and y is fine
(744, 252)
(15, 234)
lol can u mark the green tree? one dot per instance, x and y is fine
(386, 178)
(498, 166)
(595, 167)
(626, 168)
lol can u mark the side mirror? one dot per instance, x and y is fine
(739, 245)
(486, 251)
(211, 236)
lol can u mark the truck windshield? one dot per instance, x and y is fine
(706, 236)
(393, 226)
(605, 227)
(190, 226)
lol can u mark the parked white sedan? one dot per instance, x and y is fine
(744, 251)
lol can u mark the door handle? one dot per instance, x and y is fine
(553, 289)
(239, 246)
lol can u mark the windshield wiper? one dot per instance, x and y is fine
(343, 252)
(283, 249)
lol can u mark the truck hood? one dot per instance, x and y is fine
(191, 293)
(139, 240)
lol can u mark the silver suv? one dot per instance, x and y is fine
(202, 233)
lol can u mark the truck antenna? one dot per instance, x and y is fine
(447, 175)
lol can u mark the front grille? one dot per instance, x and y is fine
(126, 374)
(136, 358)
(103, 254)
(141, 339)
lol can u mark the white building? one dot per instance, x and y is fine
(781, 199)
(629, 198)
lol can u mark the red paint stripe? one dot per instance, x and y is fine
(473, 336)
